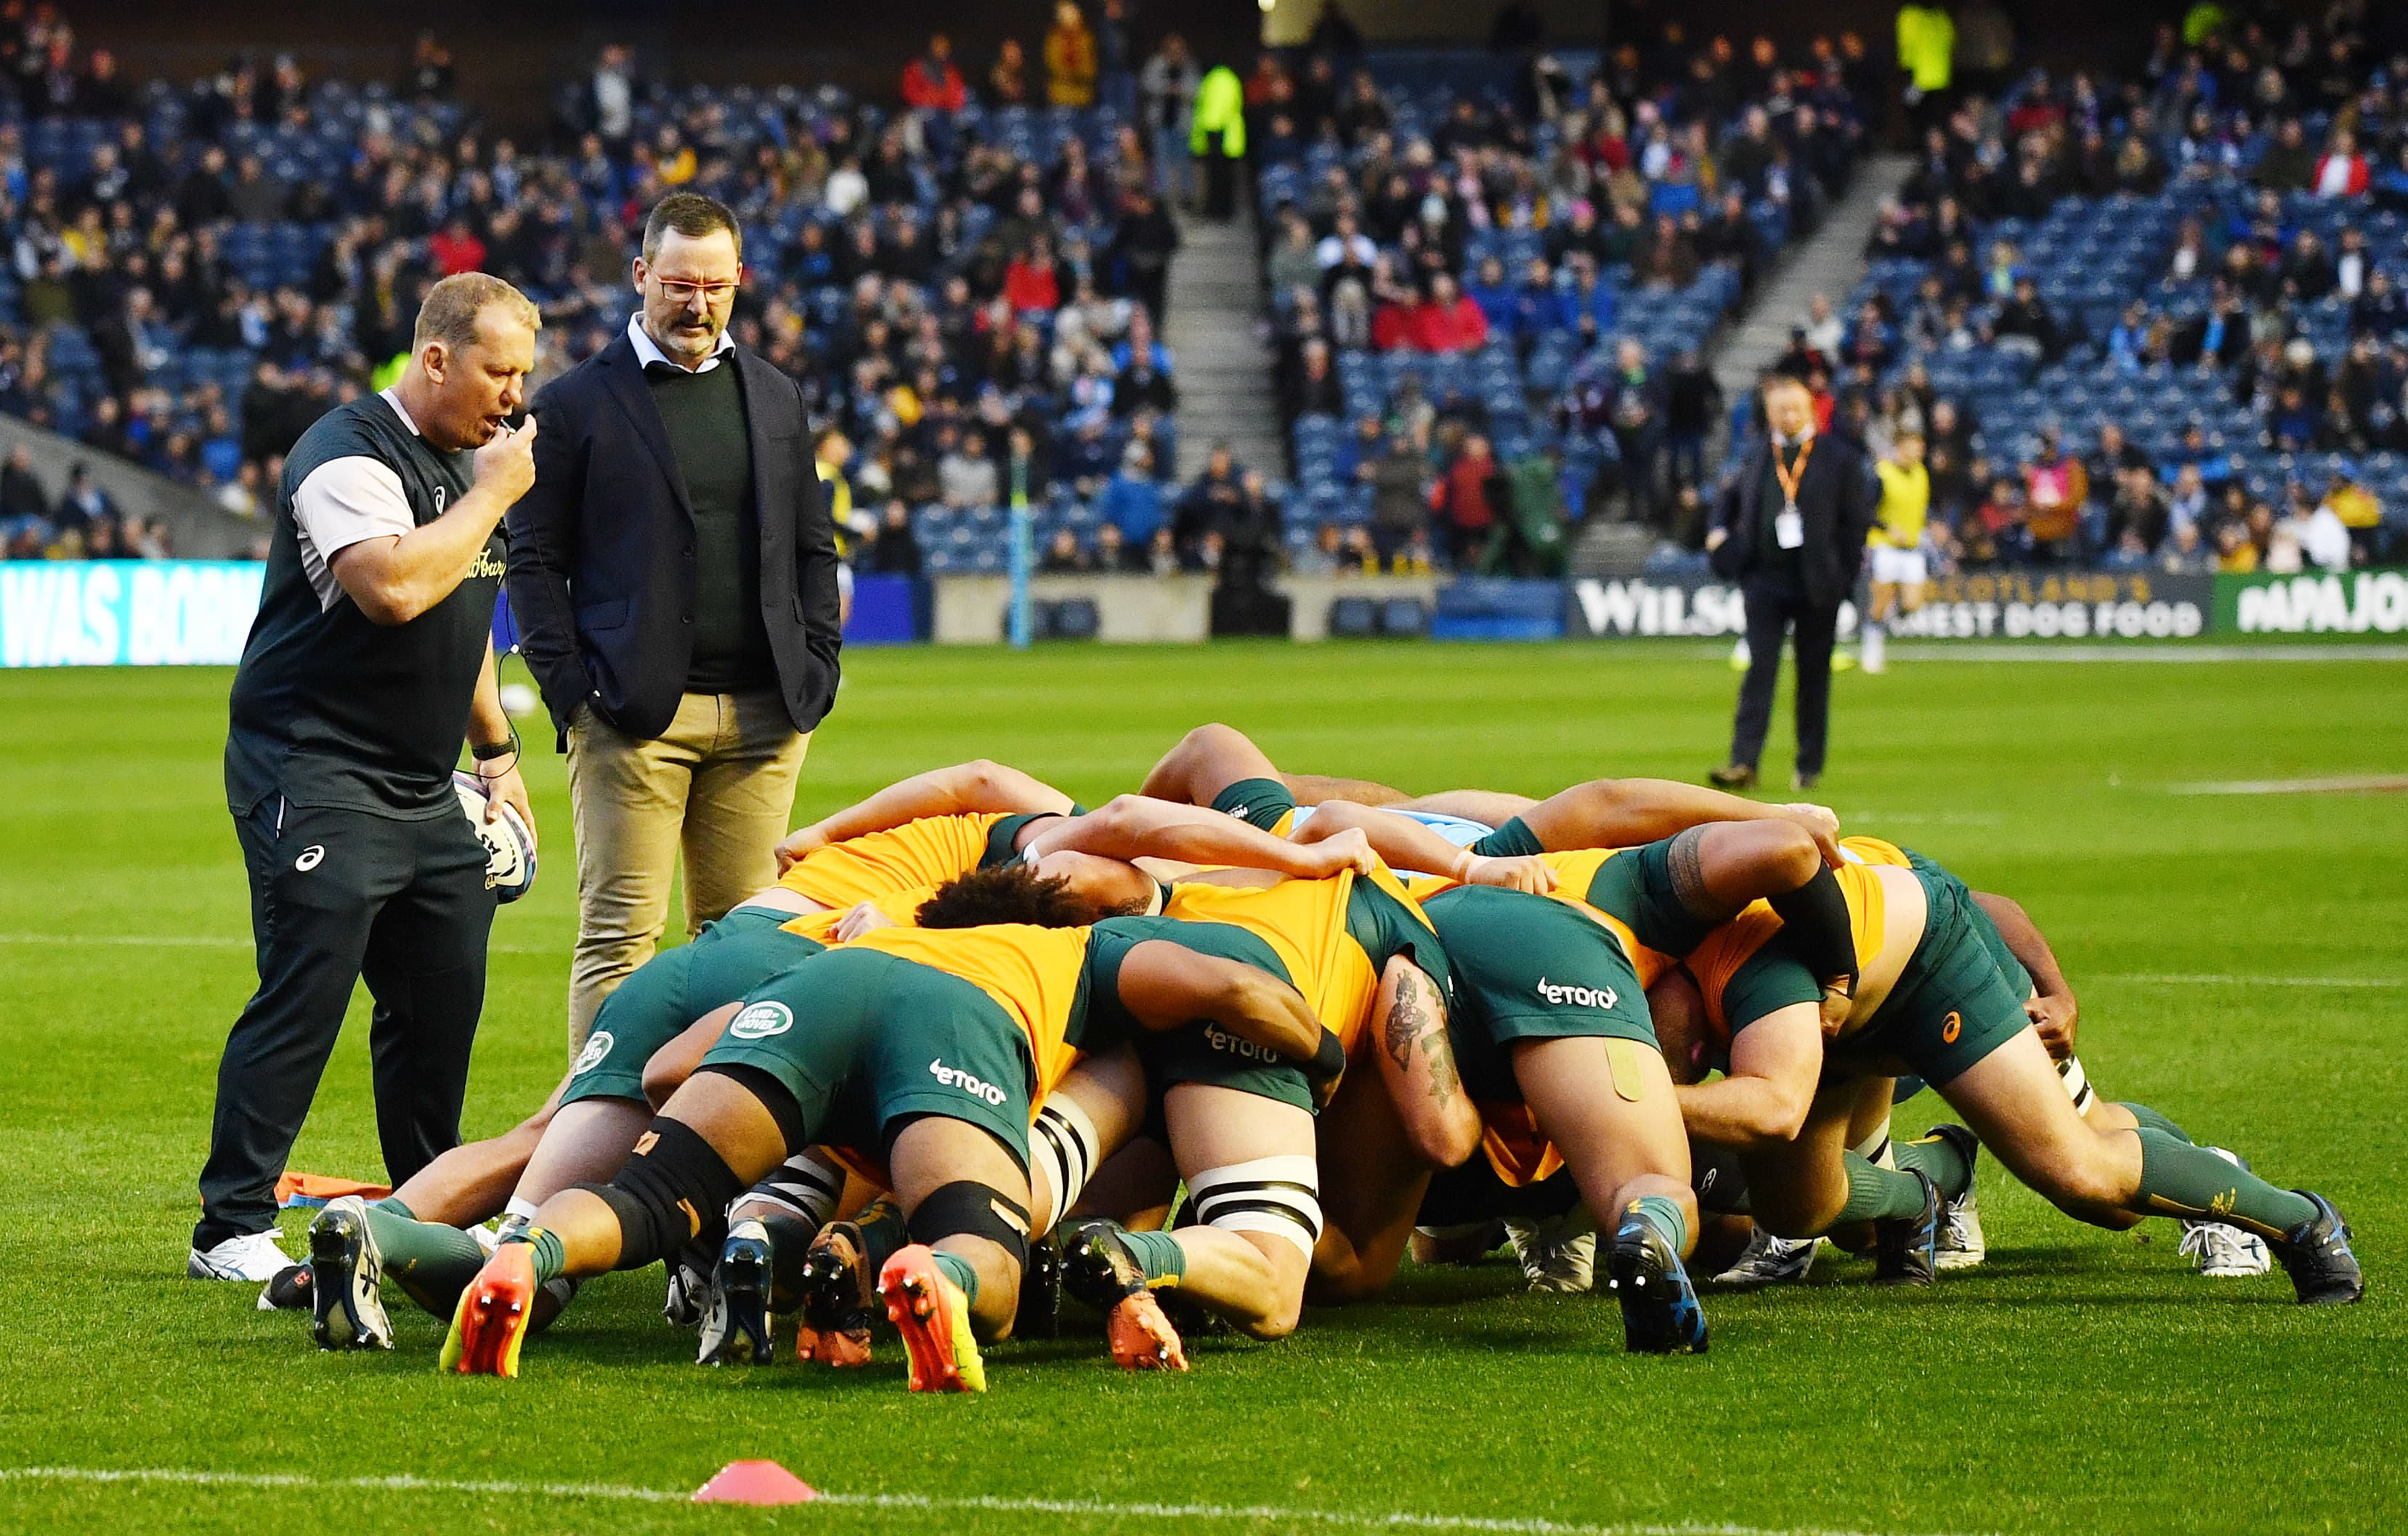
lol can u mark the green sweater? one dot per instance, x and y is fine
(704, 416)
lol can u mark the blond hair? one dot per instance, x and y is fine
(452, 308)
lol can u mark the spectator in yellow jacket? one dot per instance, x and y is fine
(1069, 59)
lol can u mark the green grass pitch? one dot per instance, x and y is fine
(2082, 1381)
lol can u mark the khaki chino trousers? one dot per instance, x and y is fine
(717, 787)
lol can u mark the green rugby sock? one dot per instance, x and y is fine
(551, 1258)
(1165, 1260)
(883, 1232)
(432, 1263)
(2151, 1120)
(1938, 1159)
(954, 1267)
(1876, 1193)
(2178, 1179)
(1664, 1213)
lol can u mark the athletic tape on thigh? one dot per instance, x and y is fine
(1875, 1149)
(806, 1186)
(966, 1208)
(1280, 1196)
(2077, 1083)
(1064, 1144)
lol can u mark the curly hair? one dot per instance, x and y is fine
(1008, 893)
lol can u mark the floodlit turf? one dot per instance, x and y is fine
(2081, 1381)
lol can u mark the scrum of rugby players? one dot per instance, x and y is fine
(965, 1054)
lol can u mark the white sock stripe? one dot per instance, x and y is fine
(1293, 1168)
(1065, 1121)
(807, 1185)
(1876, 1147)
(1272, 1224)
(516, 1206)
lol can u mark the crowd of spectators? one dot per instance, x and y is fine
(1529, 232)
(2231, 396)
(967, 289)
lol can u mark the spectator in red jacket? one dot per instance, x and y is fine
(456, 248)
(2341, 172)
(1449, 320)
(1029, 282)
(1470, 496)
(930, 81)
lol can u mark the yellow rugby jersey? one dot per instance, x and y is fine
(902, 906)
(1576, 871)
(926, 852)
(1905, 505)
(1033, 973)
(1305, 923)
(1731, 945)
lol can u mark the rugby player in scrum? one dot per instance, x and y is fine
(1933, 1001)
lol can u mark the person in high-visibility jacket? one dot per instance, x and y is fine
(1926, 52)
(1217, 137)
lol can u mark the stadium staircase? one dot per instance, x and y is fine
(1830, 261)
(1224, 373)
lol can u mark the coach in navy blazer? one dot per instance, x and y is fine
(602, 575)
(673, 575)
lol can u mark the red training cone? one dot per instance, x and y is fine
(755, 1483)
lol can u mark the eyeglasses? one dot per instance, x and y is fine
(685, 293)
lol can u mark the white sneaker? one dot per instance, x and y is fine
(1770, 1260)
(2221, 1250)
(1961, 1244)
(1558, 1255)
(2224, 1251)
(255, 1258)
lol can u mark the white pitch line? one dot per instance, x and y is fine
(1400, 1520)
(2212, 980)
(2341, 785)
(2045, 652)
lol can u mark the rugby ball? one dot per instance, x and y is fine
(510, 846)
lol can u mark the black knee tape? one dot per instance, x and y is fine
(966, 1208)
(671, 1190)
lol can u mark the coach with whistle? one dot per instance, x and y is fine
(1790, 528)
(673, 574)
(370, 663)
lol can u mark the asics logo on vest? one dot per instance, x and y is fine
(311, 857)
(761, 1021)
(598, 1046)
(1222, 1040)
(1585, 996)
(954, 1077)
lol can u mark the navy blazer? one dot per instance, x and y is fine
(602, 550)
(1836, 501)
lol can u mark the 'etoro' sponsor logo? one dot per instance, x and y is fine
(762, 1021)
(1559, 994)
(954, 1077)
(598, 1046)
(1218, 1039)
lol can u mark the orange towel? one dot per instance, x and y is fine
(314, 1190)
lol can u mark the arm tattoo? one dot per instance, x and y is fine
(1688, 870)
(1403, 1020)
(1444, 1078)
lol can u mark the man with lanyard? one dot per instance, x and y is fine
(1790, 529)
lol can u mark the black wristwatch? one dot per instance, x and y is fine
(488, 751)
